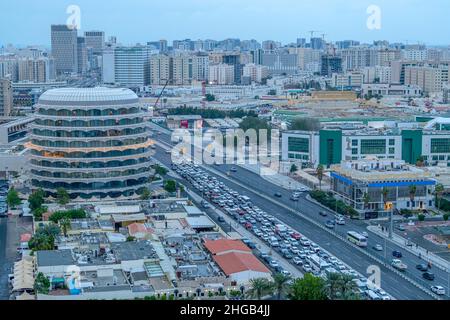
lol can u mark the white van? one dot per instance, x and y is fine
(372, 295)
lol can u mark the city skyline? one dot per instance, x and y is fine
(152, 21)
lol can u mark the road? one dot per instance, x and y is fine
(261, 191)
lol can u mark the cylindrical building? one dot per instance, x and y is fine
(93, 142)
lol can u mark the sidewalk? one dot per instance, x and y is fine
(418, 251)
(273, 177)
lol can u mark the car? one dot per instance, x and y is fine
(278, 194)
(329, 224)
(378, 247)
(399, 265)
(428, 275)
(365, 234)
(323, 213)
(297, 261)
(401, 228)
(295, 198)
(422, 267)
(221, 219)
(307, 268)
(340, 221)
(439, 290)
(397, 254)
(285, 273)
(233, 169)
(273, 263)
(251, 245)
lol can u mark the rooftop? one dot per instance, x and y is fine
(235, 262)
(88, 96)
(55, 258)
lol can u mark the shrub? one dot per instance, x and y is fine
(421, 217)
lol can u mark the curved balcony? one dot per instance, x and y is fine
(89, 139)
(55, 158)
(145, 174)
(101, 128)
(91, 187)
(87, 118)
(110, 169)
(146, 144)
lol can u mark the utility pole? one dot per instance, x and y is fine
(391, 222)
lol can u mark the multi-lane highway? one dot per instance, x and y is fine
(293, 214)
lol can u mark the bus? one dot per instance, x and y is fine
(356, 238)
(317, 263)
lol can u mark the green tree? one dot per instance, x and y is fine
(160, 170)
(36, 199)
(44, 238)
(38, 212)
(131, 239)
(421, 217)
(305, 124)
(293, 169)
(385, 193)
(258, 288)
(439, 191)
(170, 186)
(341, 287)
(65, 225)
(412, 194)
(12, 199)
(320, 172)
(62, 196)
(41, 284)
(366, 200)
(272, 92)
(210, 97)
(280, 284)
(308, 288)
(69, 214)
(445, 216)
(145, 194)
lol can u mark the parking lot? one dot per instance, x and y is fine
(303, 253)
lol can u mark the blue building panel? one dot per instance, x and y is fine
(402, 184)
(341, 178)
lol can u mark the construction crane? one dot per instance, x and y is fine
(312, 32)
(160, 95)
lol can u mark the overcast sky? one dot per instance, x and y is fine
(24, 22)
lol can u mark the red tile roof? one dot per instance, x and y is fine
(225, 245)
(235, 262)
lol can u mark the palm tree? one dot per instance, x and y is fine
(319, 172)
(385, 193)
(412, 194)
(65, 225)
(366, 200)
(280, 284)
(341, 287)
(258, 287)
(439, 191)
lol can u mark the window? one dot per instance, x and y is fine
(440, 145)
(373, 146)
(392, 142)
(355, 151)
(354, 143)
(291, 156)
(298, 144)
(391, 150)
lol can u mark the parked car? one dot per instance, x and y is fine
(297, 261)
(221, 219)
(278, 194)
(323, 213)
